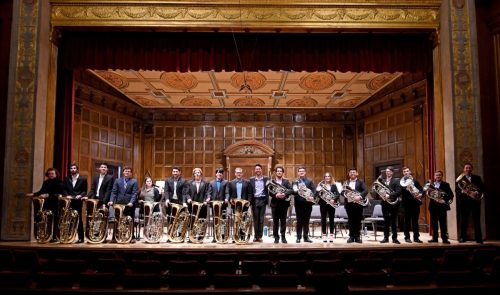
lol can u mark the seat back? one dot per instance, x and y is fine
(340, 212)
(377, 211)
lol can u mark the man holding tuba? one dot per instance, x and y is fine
(102, 185)
(411, 201)
(438, 208)
(220, 192)
(280, 201)
(259, 201)
(197, 190)
(174, 187)
(239, 189)
(304, 191)
(353, 207)
(390, 211)
(75, 187)
(469, 188)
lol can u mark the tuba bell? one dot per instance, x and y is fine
(350, 195)
(153, 224)
(221, 222)
(178, 223)
(435, 193)
(68, 221)
(242, 227)
(198, 226)
(408, 183)
(124, 225)
(97, 221)
(327, 195)
(44, 220)
(383, 191)
(468, 187)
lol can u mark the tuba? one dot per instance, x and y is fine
(178, 223)
(435, 193)
(44, 220)
(221, 222)
(468, 187)
(408, 183)
(327, 195)
(242, 227)
(68, 221)
(97, 221)
(153, 224)
(198, 226)
(124, 225)
(350, 194)
(303, 191)
(275, 188)
(383, 190)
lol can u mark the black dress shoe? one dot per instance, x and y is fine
(308, 240)
(350, 240)
(276, 240)
(385, 240)
(298, 241)
(408, 240)
(395, 241)
(283, 240)
(255, 240)
(479, 241)
(132, 241)
(54, 241)
(433, 241)
(417, 240)
(446, 242)
(358, 240)
(79, 241)
(462, 240)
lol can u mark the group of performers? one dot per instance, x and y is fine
(249, 198)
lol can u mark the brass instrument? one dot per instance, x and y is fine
(242, 227)
(44, 220)
(97, 229)
(178, 223)
(198, 226)
(275, 188)
(303, 191)
(124, 225)
(435, 193)
(153, 222)
(468, 187)
(327, 195)
(408, 183)
(221, 222)
(350, 195)
(383, 191)
(68, 221)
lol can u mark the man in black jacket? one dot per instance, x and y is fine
(303, 203)
(412, 199)
(75, 186)
(353, 208)
(102, 185)
(389, 210)
(280, 201)
(438, 208)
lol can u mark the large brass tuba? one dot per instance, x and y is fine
(68, 221)
(408, 183)
(221, 222)
(275, 188)
(178, 223)
(198, 226)
(468, 187)
(242, 227)
(350, 195)
(153, 222)
(124, 225)
(435, 193)
(97, 222)
(383, 191)
(44, 220)
(327, 195)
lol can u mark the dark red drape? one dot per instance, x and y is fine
(167, 51)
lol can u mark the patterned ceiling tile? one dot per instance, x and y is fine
(254, 79)
(317, 81)
(249, 102)
(303, 102)
(380, 81)
(181, 81)
(195, 102)
(114, 79)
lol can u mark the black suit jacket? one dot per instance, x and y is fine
(265, 192)
(223, 193)
(51, 187)
(169, 189)
(477, 181)
(300, 200)
(79, 189)
(444, 186)
(282, 202)
(360, 187)
(104, 190)
(246, 191)
(200, 195)
(395, 187)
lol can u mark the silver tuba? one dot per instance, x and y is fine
(68, 221)
(435, 193)
(198, 226)
(275, 188)
(178, 223)
(97, 221)
(408, 183)
(153, 222)
(383, 191)
(350, 194)
(221, 222)
(327, 195)
(303, 191)
(44, 220)
(242, 227)
(468, 187)
(124, 225)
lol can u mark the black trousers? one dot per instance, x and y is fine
(411, 216)
(258, 211)
(355, 215)
(279, 213)
(327, 211)
(468, 206)
(390, 219)
(303, 215)
(438, 217)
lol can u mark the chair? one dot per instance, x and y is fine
(377, 216)
(340, 219)
(315, 219)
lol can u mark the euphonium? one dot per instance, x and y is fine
(275, 188)
(178, 223)
(468, 187)
(221, 222)
(97, 222)
(383, 191)
(124, 225)
(408, 183)
(303, 191)
(242, 227)
(44, 220)
(350, 195)
(435, 193)
(327, 195)
(68, 221)
(153, 227)
(198, 226)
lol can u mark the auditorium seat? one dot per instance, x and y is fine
(7, 259)
(98, 280)
(255, 256)
(287, 273)
(320, 255)
(327, 275)
(409, 271)
(289, 255)
(367, 271)
(482, 259)
(455, 267)
(15, 279)
(143, 274)
(224, 273)
(234, 256)
(186, 274)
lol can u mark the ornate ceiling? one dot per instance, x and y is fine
(271, 89)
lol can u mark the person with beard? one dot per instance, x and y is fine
(411, 206)
(303, 205)
(220, 192)
(75, 187)
(280, 202)
(391, 211)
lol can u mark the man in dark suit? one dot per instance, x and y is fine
(125, 191)
(470, 203)
(353, 208)
(75, 186)
(174, 187)
(102, 185)
(220, 192)
(411, 201)
(239, 189)
(437, 209)
(303, 205)
(389, 210)
(259, 201)
(197, 190)
(279, 205)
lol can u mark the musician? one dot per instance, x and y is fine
(125, 191)
(75, 187)
(303, 207)
(259, 201)
(220, 191)
(197, 190)
(411, 207)
(149, 193)
(279, 205)
(239, 189)
(53, 187)
(353, 208)
(468, 204)
(437, 209)
(102, 185)
(391, 211)
(174, 187)
(327, 210)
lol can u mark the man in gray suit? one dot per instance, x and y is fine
(260, 197)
